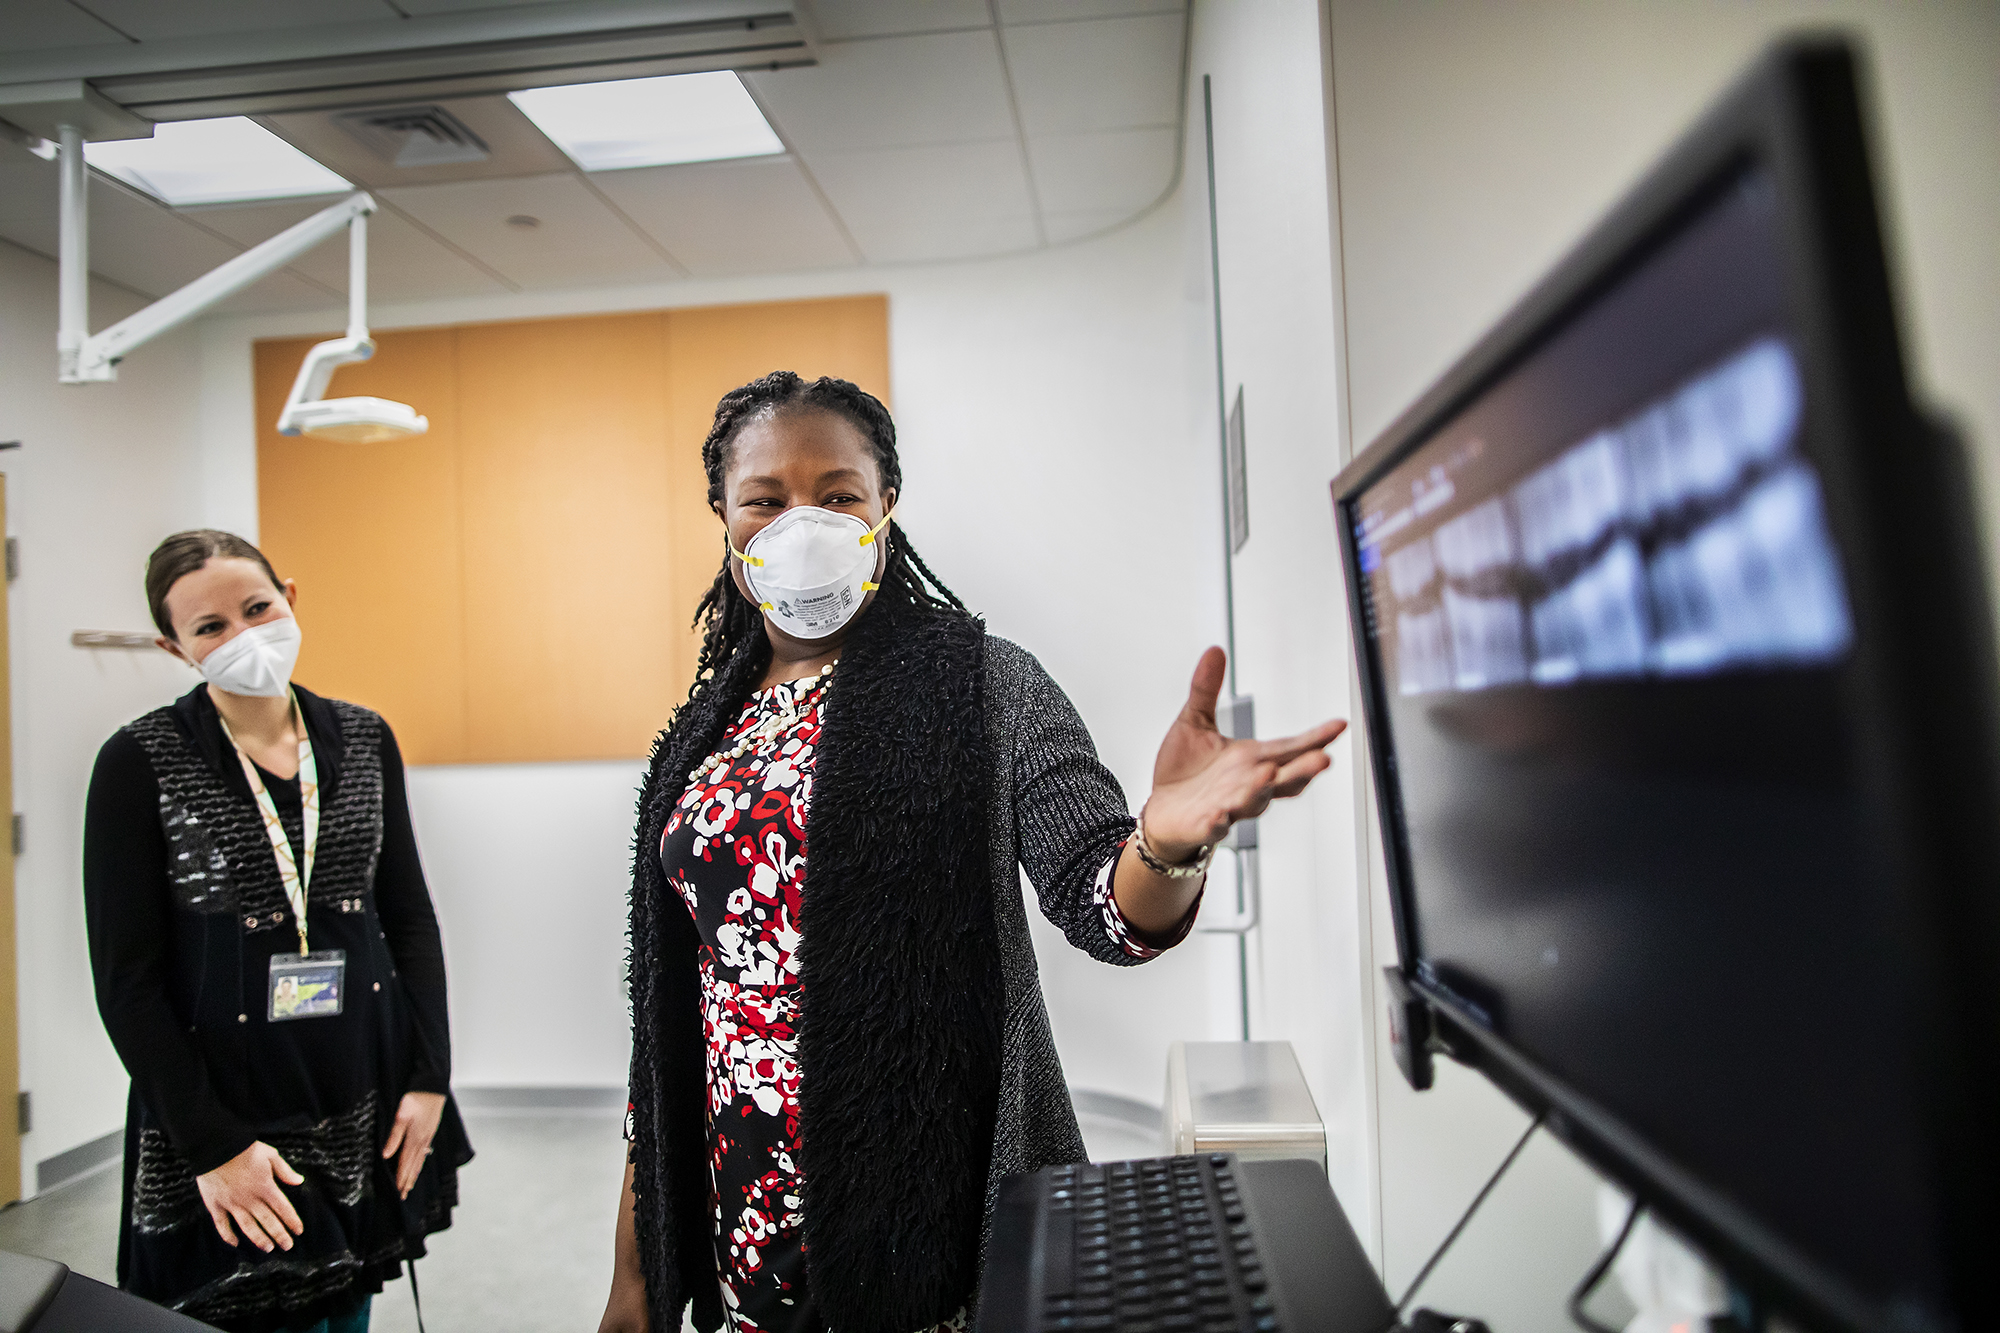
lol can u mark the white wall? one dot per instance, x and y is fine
(103, 473)
(1054, 480)
(1476, 142)
(1278, 295)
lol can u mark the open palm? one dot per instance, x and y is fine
(1203, 782)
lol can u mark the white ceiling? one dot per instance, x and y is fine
(928, 129)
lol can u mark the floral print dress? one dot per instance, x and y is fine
(735, 851)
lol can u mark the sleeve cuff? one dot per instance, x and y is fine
(218, 1148)
(429, 1080)
(1135, 942)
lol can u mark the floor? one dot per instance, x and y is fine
(530, 1251)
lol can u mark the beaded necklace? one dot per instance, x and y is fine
(772, 727)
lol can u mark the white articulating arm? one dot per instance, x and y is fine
(316, 371)
(86, 357)
(73, 267)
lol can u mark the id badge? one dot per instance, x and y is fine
(310, 985)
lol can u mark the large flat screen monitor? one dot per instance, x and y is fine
(1677, 671)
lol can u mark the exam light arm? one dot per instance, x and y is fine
(316, 371)
(85, 357)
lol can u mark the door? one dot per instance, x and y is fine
(10, 1018)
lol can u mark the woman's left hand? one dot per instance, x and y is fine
(416, 1124)
(1203, 782)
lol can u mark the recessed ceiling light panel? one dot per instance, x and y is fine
(651, 122)
(222, 161)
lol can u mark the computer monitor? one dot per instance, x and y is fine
(1677, 670)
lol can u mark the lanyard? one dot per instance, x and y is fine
(295, 880)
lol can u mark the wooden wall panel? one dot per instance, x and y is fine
(517, 585)
(567, 490)
(371, 532)
(713, 349)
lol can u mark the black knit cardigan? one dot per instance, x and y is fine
(947, 762)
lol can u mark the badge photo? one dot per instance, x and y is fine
(312, 985)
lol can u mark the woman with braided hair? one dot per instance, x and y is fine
(839, 1042)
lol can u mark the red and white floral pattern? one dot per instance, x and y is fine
(735, 851)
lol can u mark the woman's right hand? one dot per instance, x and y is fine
(244, 1191)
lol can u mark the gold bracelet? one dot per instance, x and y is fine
(1151, 860)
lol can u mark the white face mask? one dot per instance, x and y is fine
(810, 568)
(258, 661)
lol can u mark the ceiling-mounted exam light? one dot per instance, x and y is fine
(347, 420)
(84, 357)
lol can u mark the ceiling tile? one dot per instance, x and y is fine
(753, 216)
(580, 242)
(43, 25)
(942, 187)
(1045, 11)
(27, 199)
(405, 263)
(135, 242)
(1108, 74)
(839, 19)
(943, 88)
(151, 21)
(148, 246)
(1114, 169)
(892, 242)
(1064, 227)
(284, 291)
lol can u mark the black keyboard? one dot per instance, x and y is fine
(1162, 1243)
(1197, 1244)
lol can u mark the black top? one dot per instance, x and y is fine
(129, 905)
(187, 913)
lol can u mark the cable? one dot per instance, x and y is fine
(1472, 1208)
(1596, 1275)
(416, 1299)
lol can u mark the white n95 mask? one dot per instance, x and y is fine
(258, 661)
(810, 567)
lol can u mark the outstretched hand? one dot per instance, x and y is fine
(1203, 782)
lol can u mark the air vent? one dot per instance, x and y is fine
(415, 136)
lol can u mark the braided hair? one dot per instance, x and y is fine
(725, 616)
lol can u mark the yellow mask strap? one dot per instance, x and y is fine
(870, 585)
(870, 538)
(746, 559)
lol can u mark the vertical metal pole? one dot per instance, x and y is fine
(73, 255)
(1221, 389)
(357, 276)
(1228, 552)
